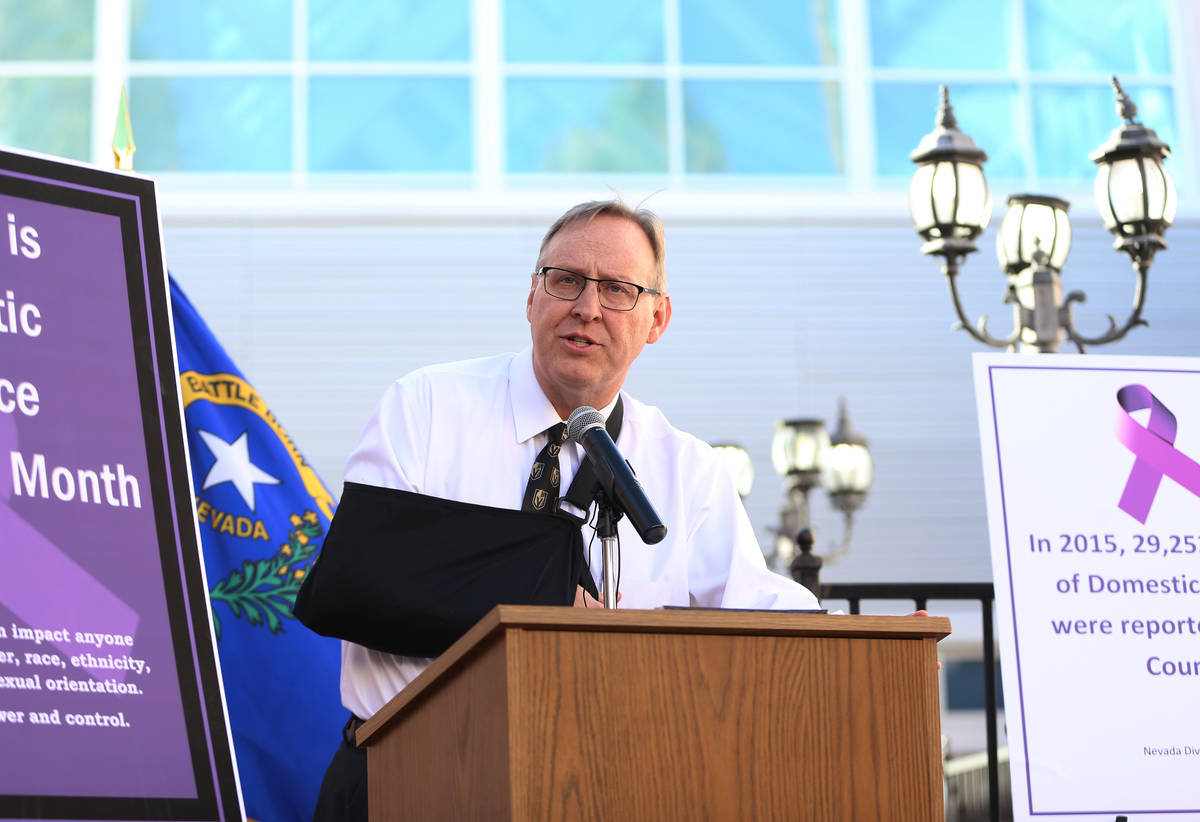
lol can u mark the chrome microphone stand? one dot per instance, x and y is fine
(607, 516)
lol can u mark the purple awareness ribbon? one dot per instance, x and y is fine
(1154, 447)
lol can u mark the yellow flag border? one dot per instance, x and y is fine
(250, 400)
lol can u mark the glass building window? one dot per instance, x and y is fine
(46, 91)
(516, 93)
(47, 30)
(550, 31)
(47, 114)
(990, 113)
(1106, 36)
(1031, 88)
(586, 125)
(212, 30)
(389, 124)
(213, 124)
(759, 32)
(397, 30)
(777, 127)
(1073, 120)
(933, 34)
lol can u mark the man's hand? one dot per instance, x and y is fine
(926, 613)
(585, 600)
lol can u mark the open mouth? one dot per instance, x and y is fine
(579, 342)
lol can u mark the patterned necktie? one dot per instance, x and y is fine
(541, 494)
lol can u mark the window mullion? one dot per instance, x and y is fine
(300, 94)
(858, 115)
(489, 132)
(1024, 125)
(676, 121)
(110, 70)
(1183, 19)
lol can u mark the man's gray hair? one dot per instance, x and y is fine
(643, 218)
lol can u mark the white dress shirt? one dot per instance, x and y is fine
(470, 431)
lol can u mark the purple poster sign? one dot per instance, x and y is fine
(109, 702)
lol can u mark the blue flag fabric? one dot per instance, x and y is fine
(263, 513)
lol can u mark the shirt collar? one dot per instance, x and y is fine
(532, 412)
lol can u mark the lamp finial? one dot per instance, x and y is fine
(1126, 109)
(946, 118)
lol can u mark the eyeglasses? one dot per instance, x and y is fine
(615, 295)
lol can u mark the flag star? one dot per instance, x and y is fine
(233, 465)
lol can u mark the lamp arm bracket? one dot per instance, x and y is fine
(980, 333)
(838, 549)
(1114, 332)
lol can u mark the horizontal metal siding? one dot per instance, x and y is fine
(771, 321)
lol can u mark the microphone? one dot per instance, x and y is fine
(586, 427)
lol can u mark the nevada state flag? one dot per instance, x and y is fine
(262, 512)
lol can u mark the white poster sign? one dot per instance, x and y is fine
(1093, 495)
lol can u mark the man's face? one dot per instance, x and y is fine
(582, 351)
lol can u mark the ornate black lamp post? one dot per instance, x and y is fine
(950, 207)
(1033, 244)
(807, 456)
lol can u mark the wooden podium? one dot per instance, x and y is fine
(566, 713)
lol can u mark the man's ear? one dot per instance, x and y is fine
(662, 318)
(529, 299)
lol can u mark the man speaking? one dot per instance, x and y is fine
(482, 440)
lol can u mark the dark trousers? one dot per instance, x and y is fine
(343, 796)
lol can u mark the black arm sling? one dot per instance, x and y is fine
(409, 574)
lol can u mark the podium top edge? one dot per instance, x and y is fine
(713, 621)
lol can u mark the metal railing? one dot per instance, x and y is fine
(967, 791)
(921, 593)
